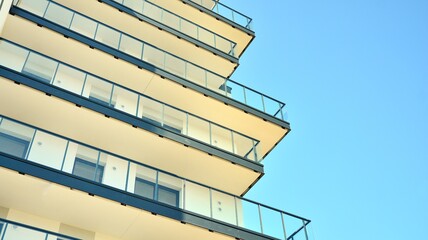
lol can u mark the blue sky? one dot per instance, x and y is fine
(354, 75)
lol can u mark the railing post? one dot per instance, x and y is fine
(127, 176)
(84, 84)
(306, 231)
(211, 203)
(283, 226)
(156, 187)
(3, 233)
(96, 166)
(27, 154)
(260, 217)
(65, 155)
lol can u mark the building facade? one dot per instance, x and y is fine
(119, 120)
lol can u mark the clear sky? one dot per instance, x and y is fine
(354, 76)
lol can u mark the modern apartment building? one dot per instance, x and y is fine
(119, 120)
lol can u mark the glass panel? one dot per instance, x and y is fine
(189, 29)
(154, 56)
(195, 74)
(152, 11)
(199, 129)
(216, 83)
(107, 36)
(15, 138)
(174, 65)
(124, 100)
(40, 67)
(293, 224)
(151, 111)
(221, 138)
(235, 91)
(197, 199)
(223, 207)
(206, 37)
(85, 164)
(114, 170)
(36, 7)
(131, 46)
(69, 79)
(223, 44)
(59, 15)
(47, 150)
(97, 90)
(272, 222)
(17, 232)
(136, 5)
(169, 191)
(243, 145)
(171, 20)
(84, 26)
(12, 56)
(254, 99)
(141, 181)
(248, 215)
(271, 106)
(174, 120)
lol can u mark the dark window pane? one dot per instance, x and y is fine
(144, 188)
(13, 146)
(168, 196)
(85, 169)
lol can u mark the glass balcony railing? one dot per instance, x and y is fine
(17, 231)
(180, 24)
(148, 53)
(87, 162)
(225, 11)
(107, 93)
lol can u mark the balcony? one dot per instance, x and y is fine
(215, 16)
(156, 57)
(219, 8)
(143, 8)
(37, 148)
(147, 78)
(10, 230)
(101, 91)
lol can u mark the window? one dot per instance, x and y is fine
(13, 145)
(88, 170)
(166, 195)
(1, 228)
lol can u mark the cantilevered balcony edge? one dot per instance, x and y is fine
(129, 119)
(23, 166)
(179, 34)
(48, 233)
(219, 16)
(147, 66)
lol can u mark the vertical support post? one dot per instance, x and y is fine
(31, 144)
(236, 211)
(65, 154)
(84, 84)
(127, 175)
(96, 166)
(260, 217)
(211, 203)
(306, 231)
(283, 226)
(156, 187)
(4, 231)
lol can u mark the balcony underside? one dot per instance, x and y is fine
(142, 80)
(96, 214)
(59, 116)
(238, 35)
